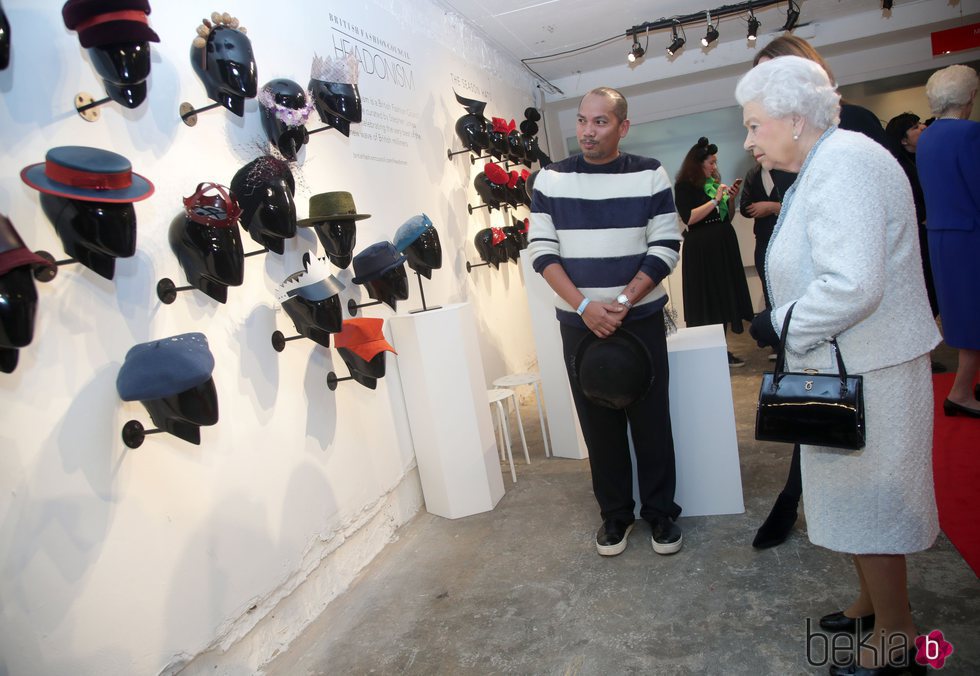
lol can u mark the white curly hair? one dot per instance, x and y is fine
(791, 85)
(950, 87)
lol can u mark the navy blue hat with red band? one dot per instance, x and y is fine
(87, 174)
(104, 22)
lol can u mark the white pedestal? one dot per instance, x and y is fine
(446, 396)
(566, 435)
(702, 416)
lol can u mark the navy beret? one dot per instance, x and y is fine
(163, 368)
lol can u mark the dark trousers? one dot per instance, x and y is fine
(762, 236)
(604, 430)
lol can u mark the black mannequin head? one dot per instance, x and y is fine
(365, 372)
(285, 109)
(311, 298)
(183, 414)
(88, 194)
(333, 85)
(425, 253)
(93, 233)
(492, 191)
(264, 190)
(18, 307)
(333, 217)
(498, 137)
(418, 240)
(4, 40)
(117, 35)
(472, 128)
(207, 243)
(381, 268)
(390, 287)
(511, 243)
(124, 68)
(224, 61)
(171, 377)
(483, 241)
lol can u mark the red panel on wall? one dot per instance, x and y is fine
(956, 39)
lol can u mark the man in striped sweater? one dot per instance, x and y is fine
(604, 234)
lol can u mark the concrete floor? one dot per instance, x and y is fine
(521, 589)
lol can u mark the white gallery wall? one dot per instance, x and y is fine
(119, 561)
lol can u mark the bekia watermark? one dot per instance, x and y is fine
(843, 648)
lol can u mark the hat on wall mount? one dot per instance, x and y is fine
(363, 336)
(15, 254)
(613, 372)
(375, 261)
(87, 174)
(410, 231)
(332, 206)
(314, 282)
(104, 22)
(163, 368)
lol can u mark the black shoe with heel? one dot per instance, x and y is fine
(839, 623)
(952, 409)
(779, 524)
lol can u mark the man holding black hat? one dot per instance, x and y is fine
(604, 235)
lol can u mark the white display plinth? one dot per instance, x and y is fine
(446, 397)
(702, 414)
(566, 435)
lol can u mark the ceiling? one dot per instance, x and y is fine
(535, 28)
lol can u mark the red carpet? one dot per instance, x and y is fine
(956, 466)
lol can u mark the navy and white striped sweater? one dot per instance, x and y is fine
(604, 223)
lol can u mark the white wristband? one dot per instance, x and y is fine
(582, 306)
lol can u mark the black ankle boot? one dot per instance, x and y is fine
(779, 523)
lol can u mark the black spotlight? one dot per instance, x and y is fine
(792, 16)
(636, 51)
(676, 41)
(753, 27)
(712, 33)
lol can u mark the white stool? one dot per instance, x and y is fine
(518, 379)
(497, 396)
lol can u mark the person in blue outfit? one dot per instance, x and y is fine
(948, 162)
(604, 235)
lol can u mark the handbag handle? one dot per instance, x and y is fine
(780, 369)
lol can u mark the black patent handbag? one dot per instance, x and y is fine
(818, 409)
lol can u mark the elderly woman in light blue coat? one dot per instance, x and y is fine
(845, 250)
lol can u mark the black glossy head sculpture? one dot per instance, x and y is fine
(381, 269)
(172, 379)
(18, 297)
(520, 229)
(418, 239)
(4, 40)
(333, 217)
(285, 107)
(362, 346)
(511, 243)
(498, 137)
(221, 55)
(333, 87)
(491, 185)
(263, 190)
(117, 36)
(88, 195)
(489, 252)
(207, 243)
(472, 129)
(311, 299)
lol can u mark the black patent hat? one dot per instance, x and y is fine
(614, 372)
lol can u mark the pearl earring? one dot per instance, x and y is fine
(796, 137)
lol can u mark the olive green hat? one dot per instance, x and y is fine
(332, 206)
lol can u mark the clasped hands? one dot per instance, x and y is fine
(603, 318)
(761, 209)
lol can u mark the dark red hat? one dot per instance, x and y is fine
(14, 253)
(104, 22)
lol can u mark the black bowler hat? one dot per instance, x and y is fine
(614, 372)
(103, 22)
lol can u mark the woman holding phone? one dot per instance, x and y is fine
(715, 290)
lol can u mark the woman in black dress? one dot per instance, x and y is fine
(715, 290)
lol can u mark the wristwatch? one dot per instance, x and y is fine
(624, 301)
